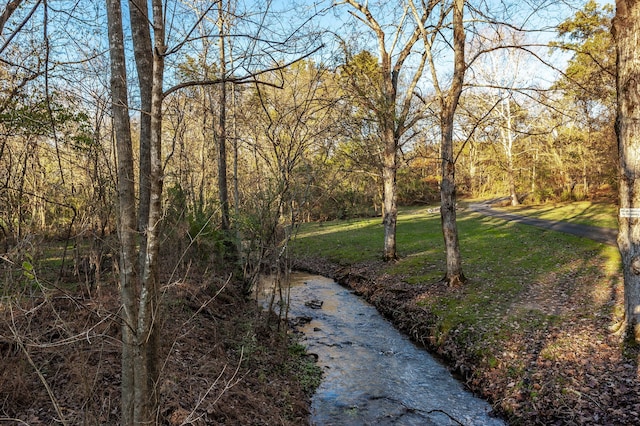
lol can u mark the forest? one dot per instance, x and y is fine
(158, 157)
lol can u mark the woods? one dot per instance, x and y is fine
(143, 141)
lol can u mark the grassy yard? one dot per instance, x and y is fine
(491, 248)
(535, 298)
(504, 262)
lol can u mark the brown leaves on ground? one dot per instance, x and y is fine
(221, 362)
(573, 371)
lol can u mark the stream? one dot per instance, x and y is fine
(372, 374)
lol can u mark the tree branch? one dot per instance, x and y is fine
(19, 28)
(247, 79)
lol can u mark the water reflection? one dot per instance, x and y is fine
(373, 375)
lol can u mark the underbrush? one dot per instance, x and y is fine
(222, 358)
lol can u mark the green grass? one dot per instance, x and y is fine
(486, 244)
(342, 242)
(584, 212)
(511, 268)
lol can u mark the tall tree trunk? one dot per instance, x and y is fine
(626, 31)
(390, 206)
(449, 103)
(389, 159)
(236, 148)
(507, 143)
(126, 205)
(533, 171)
(142, 49)
(221, 128)
(473, 169)
(149, 315)
(140, 298)
(448, 199)
(511, 176)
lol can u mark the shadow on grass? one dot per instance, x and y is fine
(534, 323)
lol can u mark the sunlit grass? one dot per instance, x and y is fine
(584, 212)
(342, 242)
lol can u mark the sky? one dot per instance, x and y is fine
(80, 31)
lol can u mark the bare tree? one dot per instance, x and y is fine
(142, 49)
(140, 288)
(501, 71)
(391, 109)
(452, 30)
(126, 202)
(290, 127)
(626, 29)
(448, 105)
(447, 99)
(419, 23)
(221, 128)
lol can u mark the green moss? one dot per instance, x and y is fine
(307, 372)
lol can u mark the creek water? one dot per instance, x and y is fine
(372, 374)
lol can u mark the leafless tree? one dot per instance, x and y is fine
(139, 273)
(626, 29)
(392, 109)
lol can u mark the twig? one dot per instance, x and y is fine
(52, 397)
(186, 333)
(230, 383)
(581, 394)
(204, 305)
(8, 419)
(72, 339)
